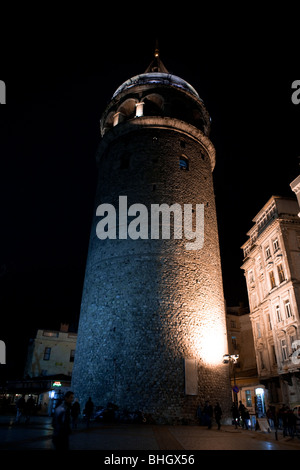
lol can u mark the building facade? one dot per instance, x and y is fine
(152, 330)
(295, 186)
(245, 383)
(51, 352)
(272, 272)
(47, 372)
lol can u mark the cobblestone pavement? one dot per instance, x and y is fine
(37, 435)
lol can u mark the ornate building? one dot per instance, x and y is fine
(272, 272)
(243, 371)
(152, 330)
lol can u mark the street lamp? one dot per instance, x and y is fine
(232, 359)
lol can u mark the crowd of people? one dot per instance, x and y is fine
(206, 413)
(67, 412)
(25, 409)
(66, 418)
(240, 415)
(283, 418)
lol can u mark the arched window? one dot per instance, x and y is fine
(126, 110)
(153, 105)
(183, 163)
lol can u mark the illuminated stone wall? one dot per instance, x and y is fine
(148, 305)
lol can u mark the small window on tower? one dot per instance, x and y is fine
(183, 163)
(124, 162)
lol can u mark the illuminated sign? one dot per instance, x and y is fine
(56, 384)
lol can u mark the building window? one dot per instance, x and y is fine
(258, 330)
(233, 342)
(272, 279)
(253, 301)
(269, 322)
(261, 357)
(275, 245)
(259, 263)
(268, 252)
(248, 398)
(48, 333)
(72, 355)
(273, 355)
(183, 163)
(47, 353)
(251, 277)
(280, 273)
(294, 345)
(288, 310)
(278, 314)
(284, 350)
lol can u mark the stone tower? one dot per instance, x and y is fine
(152, 330)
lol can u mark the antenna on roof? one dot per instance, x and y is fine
(156, 65)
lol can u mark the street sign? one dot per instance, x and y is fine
(236, 389)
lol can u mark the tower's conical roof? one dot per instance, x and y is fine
(156, 65)
(156, 72)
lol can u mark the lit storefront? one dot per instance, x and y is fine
(45, 391)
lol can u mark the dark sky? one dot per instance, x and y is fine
(59, 77)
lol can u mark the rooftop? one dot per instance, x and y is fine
(156, 72)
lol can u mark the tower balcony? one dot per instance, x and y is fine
(156, 94)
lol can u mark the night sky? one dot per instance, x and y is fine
(59, 77)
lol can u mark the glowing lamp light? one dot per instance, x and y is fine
(230, 357)
(207, 339)
(213, 347)
(210, 346)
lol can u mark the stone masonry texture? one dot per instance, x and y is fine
(148, 305)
